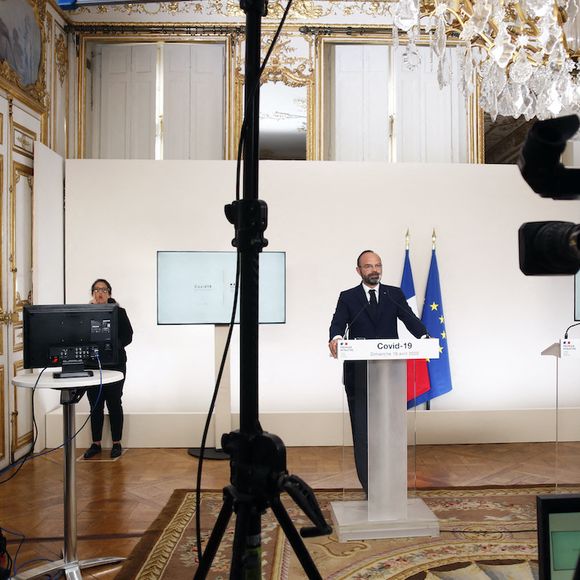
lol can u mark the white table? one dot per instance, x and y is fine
(71, 392)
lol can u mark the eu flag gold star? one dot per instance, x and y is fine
(442, 319)
(443, 334)
(434, 306)
(440, 349)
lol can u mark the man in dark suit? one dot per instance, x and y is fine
(369, 310)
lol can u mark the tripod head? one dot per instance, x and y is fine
(250, 220)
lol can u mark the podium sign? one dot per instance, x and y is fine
(388, 349)
(570, 348)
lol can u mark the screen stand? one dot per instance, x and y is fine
(72, 370)
(222, 411)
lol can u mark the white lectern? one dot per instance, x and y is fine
(388, 512)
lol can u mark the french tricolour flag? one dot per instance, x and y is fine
(417, 373)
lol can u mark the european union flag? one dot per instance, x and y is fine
(433, 317)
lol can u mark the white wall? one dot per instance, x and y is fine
(119, 213)
(48, 251)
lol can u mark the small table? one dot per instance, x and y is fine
(71, 392)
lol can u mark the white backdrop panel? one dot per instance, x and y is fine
(119, 213)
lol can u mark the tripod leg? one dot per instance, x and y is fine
(243, 520)
(216, 537)
(295, 540)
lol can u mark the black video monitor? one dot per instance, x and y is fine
(70, 336)
(558, 535)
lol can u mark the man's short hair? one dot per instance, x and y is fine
(361, 255)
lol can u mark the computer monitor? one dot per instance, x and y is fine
(70, 336)
(558, 535)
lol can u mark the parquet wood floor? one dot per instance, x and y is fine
(117, 501)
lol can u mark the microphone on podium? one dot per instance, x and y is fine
(349, 326)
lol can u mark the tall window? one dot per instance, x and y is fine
(156, 101)
(379, 109)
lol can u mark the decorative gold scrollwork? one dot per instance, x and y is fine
(9, 317)
(61, 58)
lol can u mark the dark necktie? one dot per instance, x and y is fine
(373, 304)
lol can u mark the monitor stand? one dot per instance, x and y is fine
(72, 370)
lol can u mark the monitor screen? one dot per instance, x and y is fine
(198, 287)
(558, 535)
(70, 335)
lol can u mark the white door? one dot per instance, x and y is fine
(23, 128)
(376, 109)
(358, 103)
(124, 91)
(194, 101)
(4, 390)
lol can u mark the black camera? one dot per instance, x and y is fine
(552, 247)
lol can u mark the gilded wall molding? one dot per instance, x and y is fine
(230, 9)
(119, 31)
(284, 65)
(61, 58)
(2, 413)
(2, 245)
(18, 330)
(18, 441)
(18, 171)
(23, 140)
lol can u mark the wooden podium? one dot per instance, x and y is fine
(388, 512)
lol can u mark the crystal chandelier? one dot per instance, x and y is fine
(523, 51)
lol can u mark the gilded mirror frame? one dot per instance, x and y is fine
(284, 67)
(228, 39)
(34, 94)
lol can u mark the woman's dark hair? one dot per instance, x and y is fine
(104, 282)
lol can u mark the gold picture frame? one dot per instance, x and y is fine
(24, 24)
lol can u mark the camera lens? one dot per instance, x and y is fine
(549, 248)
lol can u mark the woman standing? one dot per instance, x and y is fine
(113, 392)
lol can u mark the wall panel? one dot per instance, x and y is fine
(323, 214)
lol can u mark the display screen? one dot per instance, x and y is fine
(558, 535)
(58, 334)
(198, 287)
(564, 544)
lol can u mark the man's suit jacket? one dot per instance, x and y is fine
(353, 310)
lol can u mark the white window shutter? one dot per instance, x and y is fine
(194, 96)
(127, 102)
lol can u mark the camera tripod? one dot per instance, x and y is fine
(257, 483)
(257, 459)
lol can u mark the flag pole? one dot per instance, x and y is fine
(433, 242)
(407, 240)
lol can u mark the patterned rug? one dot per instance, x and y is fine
(485, 533)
